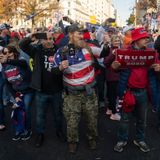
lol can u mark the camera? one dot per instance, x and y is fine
(72, 50)
(41, 36)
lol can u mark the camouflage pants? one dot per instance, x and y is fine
(74, 106)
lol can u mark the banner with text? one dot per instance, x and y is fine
(135, 58)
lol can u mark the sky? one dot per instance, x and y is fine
(124, 8)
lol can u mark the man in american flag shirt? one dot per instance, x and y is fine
(75, 62)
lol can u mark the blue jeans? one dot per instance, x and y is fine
(5, 97)
(28, 97)
(1, 100)
(158, 106)
(56, 102)
(21, 126)
(140, 112)
(18, 120)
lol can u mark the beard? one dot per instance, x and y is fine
(80, 44)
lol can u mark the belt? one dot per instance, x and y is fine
(75, 92)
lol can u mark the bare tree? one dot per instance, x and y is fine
(37, 9)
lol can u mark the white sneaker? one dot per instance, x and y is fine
(2, 127)
(108, 112)
(115, 117)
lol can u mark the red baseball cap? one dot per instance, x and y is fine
(139, 33)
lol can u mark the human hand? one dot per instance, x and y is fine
(3, 58)
(106, 39)
(33, 38)
(64, 65)
(115, 65)
(156, 67)
(18, 99)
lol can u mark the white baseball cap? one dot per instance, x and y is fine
(127, 28)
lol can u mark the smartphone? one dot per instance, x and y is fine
(40, 35)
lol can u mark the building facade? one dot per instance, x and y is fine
(81, 11)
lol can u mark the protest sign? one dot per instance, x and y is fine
(135, 58)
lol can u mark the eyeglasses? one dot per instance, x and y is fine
(4, 53)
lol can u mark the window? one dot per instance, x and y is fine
(50, 20)
(69, 12)
(69, 4)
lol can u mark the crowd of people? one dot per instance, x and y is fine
(75, 72)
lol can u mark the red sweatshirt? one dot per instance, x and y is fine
(138, 78)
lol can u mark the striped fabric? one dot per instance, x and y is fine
(80, 71)
(96, 51)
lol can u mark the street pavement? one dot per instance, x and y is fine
(53, 149)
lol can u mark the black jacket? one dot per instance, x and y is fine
(157, 45)
(36, 52)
